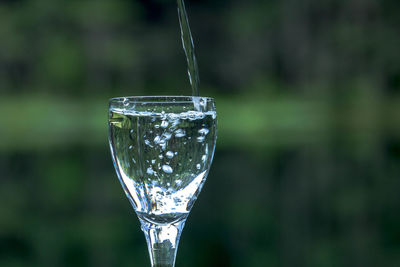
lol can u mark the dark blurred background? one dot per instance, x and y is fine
(307, 166)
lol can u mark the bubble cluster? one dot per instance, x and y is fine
(167, 127)
(163, 154)
(167, 155)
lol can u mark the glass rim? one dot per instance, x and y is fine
(159, 99)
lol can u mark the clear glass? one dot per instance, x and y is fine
(162, 148)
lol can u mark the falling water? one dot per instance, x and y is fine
(188, 47)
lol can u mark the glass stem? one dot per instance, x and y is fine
(162, 242)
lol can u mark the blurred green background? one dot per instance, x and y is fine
(307, 166)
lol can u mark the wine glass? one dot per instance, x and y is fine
(162, 148)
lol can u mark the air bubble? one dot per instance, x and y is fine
(173, 117)
(130, 147)
(164, 124)
(167, 169)
(174, 124)
(161, 141)
(150, 171)
(183, 115)
(204, 158)
(125, 102)
(180, 133)
(157, 140)
(200, 139)
(192, 115)
(204, 131)
(163, 145)
(198, 166)
(170, 154)
(178, 182)
(153, 161)
(167, 136)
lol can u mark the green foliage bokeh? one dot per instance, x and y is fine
(308, 156)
